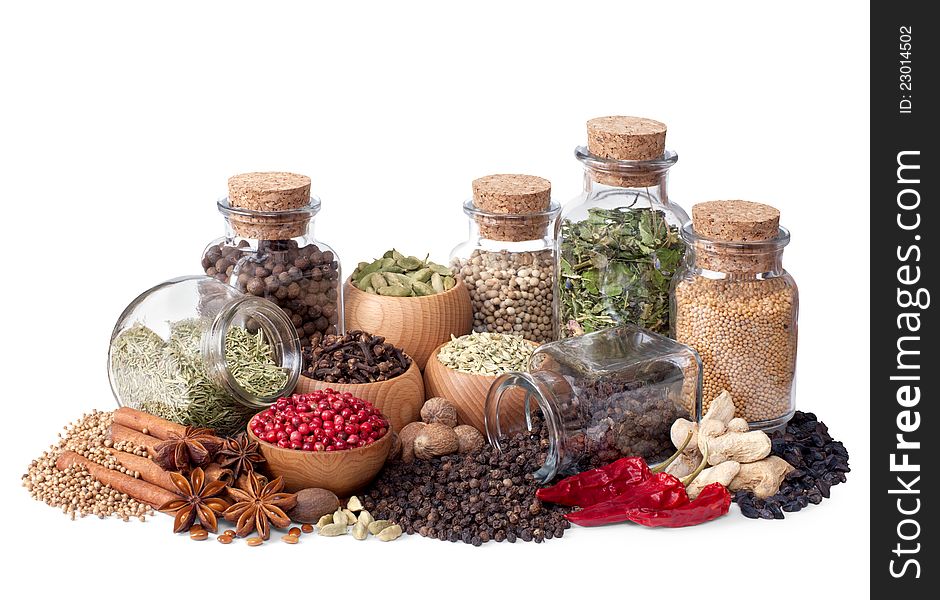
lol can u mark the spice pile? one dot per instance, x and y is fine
(401, 276)
(169, 379)
(356, 357)
(820, 462)
(486, 353)
(472, 498)
(511, 292)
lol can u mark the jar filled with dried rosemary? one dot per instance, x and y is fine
(198, 352)
(620, 241)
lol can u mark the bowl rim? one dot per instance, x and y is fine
(460, 284)
(414, 365)
(372, 446)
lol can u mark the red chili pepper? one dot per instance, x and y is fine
(604, 483)
(712, 502)
(661, 491)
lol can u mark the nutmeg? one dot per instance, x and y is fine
(407, 436)
(468, 439)
(313, 503)
(439, 410)
(436, 439)
(395, 451)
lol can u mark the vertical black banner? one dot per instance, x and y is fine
(905, 370)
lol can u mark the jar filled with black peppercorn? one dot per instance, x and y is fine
(604, 395)
(269, 251)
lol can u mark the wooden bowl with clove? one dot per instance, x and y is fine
(468, 391)
(400, 399)
(343, 472)
(417, 325)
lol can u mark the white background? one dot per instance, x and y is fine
(121, 121)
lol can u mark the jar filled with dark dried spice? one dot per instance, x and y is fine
(604, 395)
(619, 240)
(269, 251)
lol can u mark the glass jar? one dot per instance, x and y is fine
(602, 396)
(198, 352)
(737, 306)
(619, 240)
(272, 254)
(509, 263)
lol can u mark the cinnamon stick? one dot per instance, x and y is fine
(120, 433)
(135, 488)
(139, 420)
(151, 472)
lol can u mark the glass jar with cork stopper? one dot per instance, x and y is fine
(737, 306)
(509, 263)
(269, 251)
(619, 240)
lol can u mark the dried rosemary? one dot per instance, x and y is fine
(616, 268)
(170, 379)
(486, 353)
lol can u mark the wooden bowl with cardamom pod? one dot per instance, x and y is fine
(468, 391)
(343, 472)
(400, 399)
(417, 325)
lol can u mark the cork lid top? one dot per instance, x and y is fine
(269, 191)
(736, 220)
(626, 138)
(512, 194)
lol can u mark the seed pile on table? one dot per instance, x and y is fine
(820, 462)
(357, 357)
(302, 280)
(511, 292)
(401, 276)
(472, 498)
(486, 353)
(74, 490)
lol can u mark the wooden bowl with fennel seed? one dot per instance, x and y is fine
(468, 391)
(417, 325)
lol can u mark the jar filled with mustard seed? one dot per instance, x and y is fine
(269, 251)
(619, 240)
(509, 263)
(735, 304)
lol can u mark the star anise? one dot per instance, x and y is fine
(195, 447)
(240, 455)
(196, 498)
(258, 506)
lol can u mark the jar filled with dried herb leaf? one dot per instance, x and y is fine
(737, 306)
(198, 352)
(603, 395)
(509, 264)
(620, 242)
(269, 251)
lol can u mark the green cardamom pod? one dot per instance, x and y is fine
(393, 269)
(410, 263)
(365, 517)
(376, 526)
(422, 289)
(392, 532)
(445, 271)
(364, 282)
(387, 262)
(339, 517)
(449, 282)
(360, 531)
(423, 275)
(397, 255)
(325, 520)
(377, 281)
(333, 530)
(394, 290)
(369, 290)
(437, 282)
(372, 267)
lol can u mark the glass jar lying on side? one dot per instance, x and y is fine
(603, 396)
(198, 352)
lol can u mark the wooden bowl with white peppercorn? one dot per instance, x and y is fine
(417, 325)
(468, 391)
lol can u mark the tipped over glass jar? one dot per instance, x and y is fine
(269, 251)
(602, 395)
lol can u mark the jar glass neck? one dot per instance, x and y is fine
(269, 225)
(512, 228)
(510, 404)
(646, 178)
(255, 315)
(748, 259)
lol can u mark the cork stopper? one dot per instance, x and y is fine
(274, 191)
(736, 220)
(627, 138)
(515, 196)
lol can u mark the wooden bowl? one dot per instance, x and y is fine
(343, 472)
(416, 325)
(399, 399)
(467, 392)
